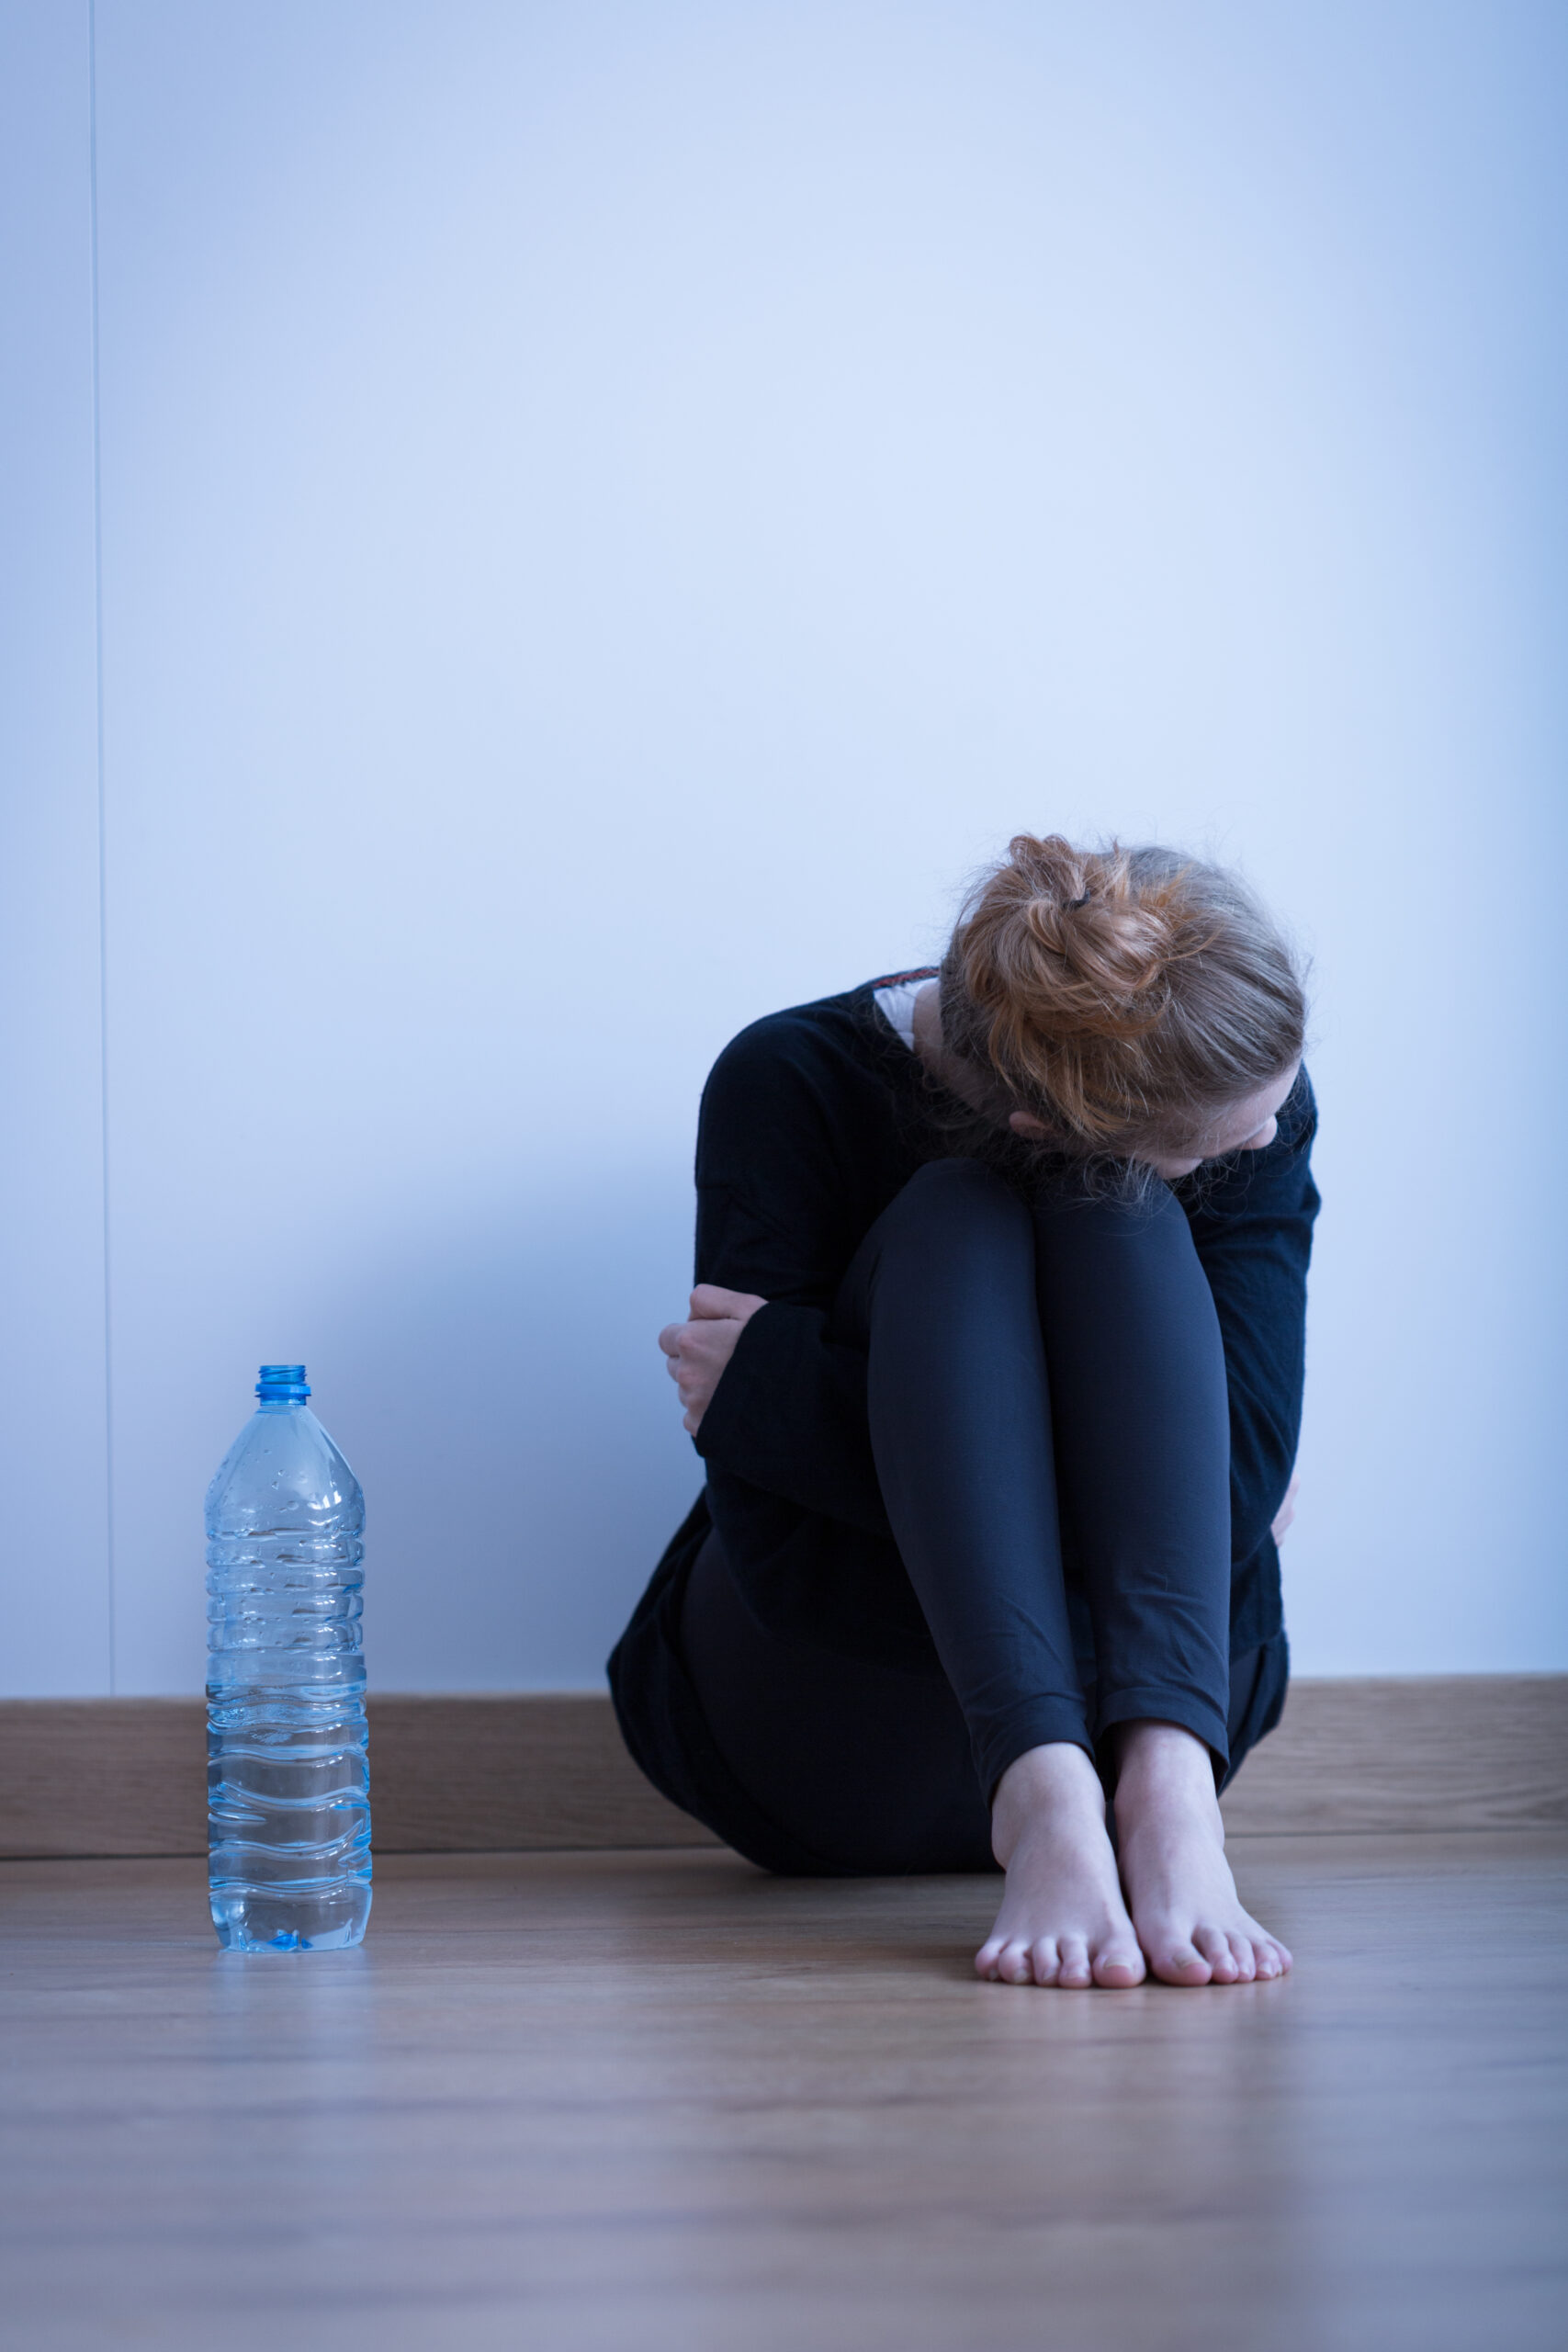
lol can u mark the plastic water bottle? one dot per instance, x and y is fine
(288, 1804)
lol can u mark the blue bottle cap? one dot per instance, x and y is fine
(283, 1384)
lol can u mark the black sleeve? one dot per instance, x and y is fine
(780, 1212)
(1252, 1218)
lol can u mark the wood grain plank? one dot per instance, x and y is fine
(103, 1776)
(1418, 1752)
(663, 2103)
(521, 1771)
(536, 1771)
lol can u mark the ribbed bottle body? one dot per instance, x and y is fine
(289, 1803)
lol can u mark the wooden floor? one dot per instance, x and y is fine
(655, 2101)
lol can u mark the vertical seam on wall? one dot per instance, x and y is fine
(102, 866)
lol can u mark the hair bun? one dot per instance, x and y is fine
(1118, 995)
(1107, 948)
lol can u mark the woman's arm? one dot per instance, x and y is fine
(785, 1190)
(1252, 1219)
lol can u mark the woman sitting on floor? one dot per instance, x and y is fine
(995, 1361)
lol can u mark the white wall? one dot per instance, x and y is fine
(608, 514)
(56, 1616)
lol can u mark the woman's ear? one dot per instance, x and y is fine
(1024, 1124)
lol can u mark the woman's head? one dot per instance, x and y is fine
(1123, 1004)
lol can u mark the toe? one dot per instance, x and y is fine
(1046, 1961)
(1175, 1962)
(1215, 1947)
(1119, 1965)
(1072, 1966)
(1246, 1959)
(1014, 1967)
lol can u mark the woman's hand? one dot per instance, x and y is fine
(698, 1350)
(1287, 1510)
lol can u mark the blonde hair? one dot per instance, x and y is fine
(1122, 997)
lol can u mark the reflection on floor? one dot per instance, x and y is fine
(658, 2103)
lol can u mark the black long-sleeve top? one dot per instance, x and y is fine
(812, 1120)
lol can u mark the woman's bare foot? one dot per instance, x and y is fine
(1183, 1898)
(1063, 1920)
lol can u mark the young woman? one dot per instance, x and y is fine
(995, 1361)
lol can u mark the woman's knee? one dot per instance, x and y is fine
(960, 1212)
(1150, 1231)
(957, 1216)
(954, 1194)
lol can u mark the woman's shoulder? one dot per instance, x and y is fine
(1256, 1188)
(826, 1077)
(841, 1030)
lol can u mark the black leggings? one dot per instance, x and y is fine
(1048, 1416)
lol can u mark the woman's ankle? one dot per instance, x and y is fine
(1057, 1780)
(1157, 1760)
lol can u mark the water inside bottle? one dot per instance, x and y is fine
(288, 1813)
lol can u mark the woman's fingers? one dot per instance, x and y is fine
(698, 1350)
(683, 1367)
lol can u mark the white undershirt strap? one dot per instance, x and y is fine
(896, 1002)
